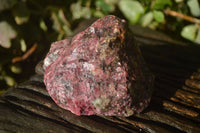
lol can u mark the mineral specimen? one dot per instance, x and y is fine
(100, 71)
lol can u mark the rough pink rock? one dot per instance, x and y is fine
(99, 71)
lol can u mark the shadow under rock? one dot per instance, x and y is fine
(171, 65)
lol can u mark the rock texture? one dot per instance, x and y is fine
(99, 71)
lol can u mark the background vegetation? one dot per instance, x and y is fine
(27, 27)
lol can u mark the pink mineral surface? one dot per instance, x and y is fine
(100, 71)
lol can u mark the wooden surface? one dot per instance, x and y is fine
(174, 108)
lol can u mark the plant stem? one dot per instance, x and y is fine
(185, 17)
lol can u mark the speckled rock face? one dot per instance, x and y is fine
(99, 71)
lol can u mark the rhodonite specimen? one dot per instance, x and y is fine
(99, 71)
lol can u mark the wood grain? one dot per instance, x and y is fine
(175, 105)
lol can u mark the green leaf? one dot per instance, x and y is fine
(7, 4)
(9, 80)
(131, 9)
(147, 19)
(98, 14)
(197, 40)
(76, 10)
(43, 26)
(6, 34)
(21, 13)
(112, 2)
(159, 16)
(60, 24)
(178, 1)
(79, 12)
(67, 30)
(86, 13)
(23, 45)
(16, 69)
(106, 8)
(189, 32)
(194, 7)
(160, 4)
(153, 25)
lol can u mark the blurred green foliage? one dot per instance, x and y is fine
(27, 22)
